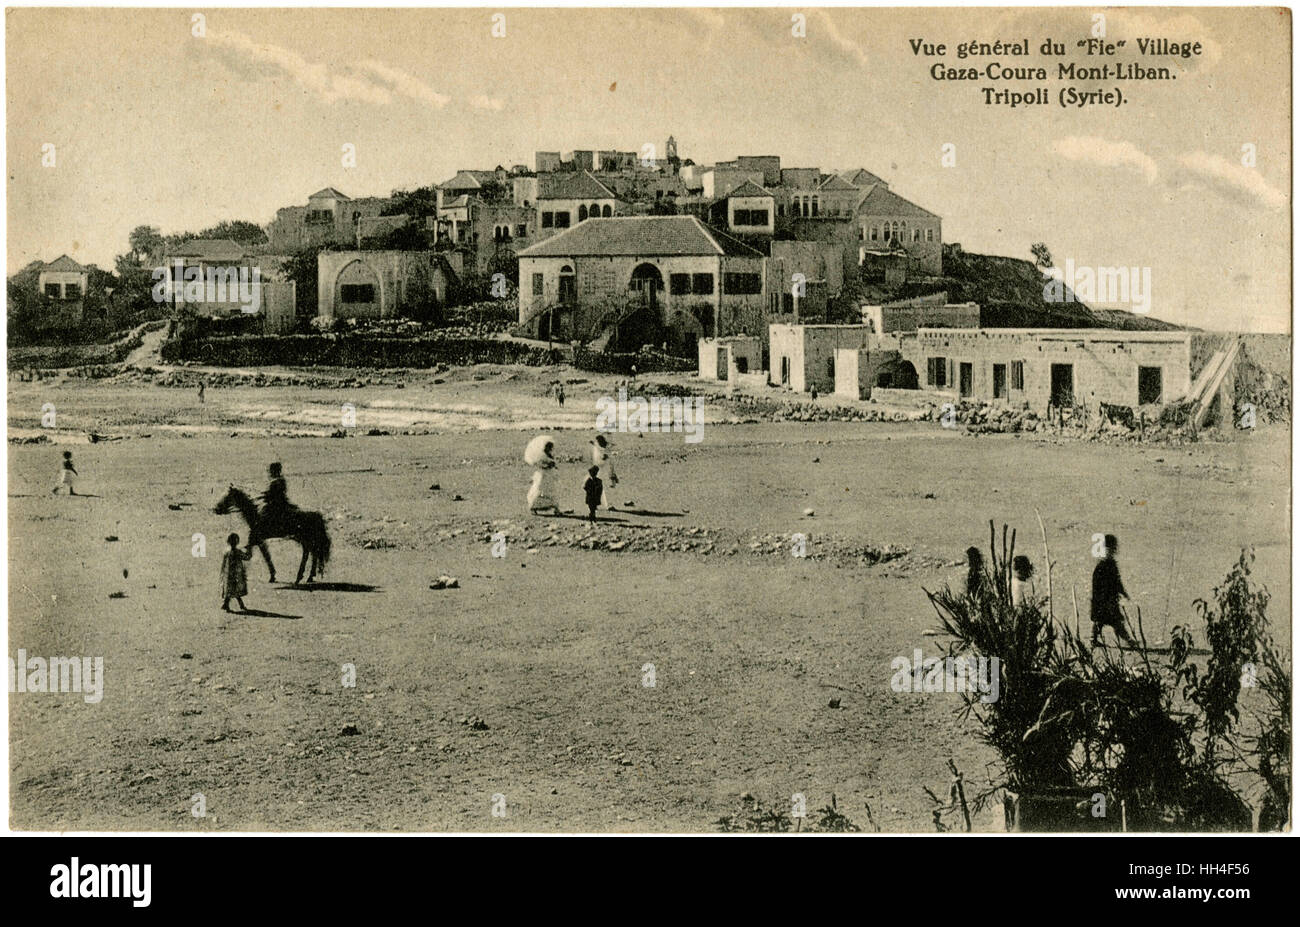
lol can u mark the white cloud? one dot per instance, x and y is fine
(405, 84)
(1232, 179)
(838, 38)
(1106, 153)
(368, 82)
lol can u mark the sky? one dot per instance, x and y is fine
(153, 124)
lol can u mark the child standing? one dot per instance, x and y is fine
(593, 488)
(67, 476)
(1022, 581)
(234, 575)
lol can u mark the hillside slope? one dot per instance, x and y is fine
(1010, 295)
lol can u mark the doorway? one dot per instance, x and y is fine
(1150, 385)
(1062, 385)
(999, 381)
(722, 363)
(647, 283)
(966, 381)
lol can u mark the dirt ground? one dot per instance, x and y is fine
(524, 689)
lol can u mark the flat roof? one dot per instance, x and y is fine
(1064, 334)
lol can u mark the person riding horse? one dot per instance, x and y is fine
(277, 511)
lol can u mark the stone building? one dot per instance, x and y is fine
(380, 284)
(803, 357)
(330, 217)
(885, 221)
(213, 277)
(1060, 367)
(564, 200)
(671, 276)
(729, 357)
(65, 281)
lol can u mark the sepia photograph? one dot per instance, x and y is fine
(884, 427)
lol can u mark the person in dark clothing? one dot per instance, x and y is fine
(594, 488)
(974, 570)
(1107, 587)
(276, 507)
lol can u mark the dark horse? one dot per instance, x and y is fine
(306, 528)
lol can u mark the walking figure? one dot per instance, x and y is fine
(67, 476)
(1107, 588)
(593, 488)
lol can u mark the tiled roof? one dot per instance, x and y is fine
(835, 182)
(638, 236)
(464, 180)
(63, 263)
(748, 188)
(862, 178)
(579, 186)
(881, 202)
(329, 193)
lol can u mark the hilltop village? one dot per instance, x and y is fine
(756, 273)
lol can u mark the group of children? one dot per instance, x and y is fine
(1107, 588)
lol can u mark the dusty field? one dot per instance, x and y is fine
(527, 681)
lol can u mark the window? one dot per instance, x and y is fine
(936, 369)
(916, 234)
(521, 231)
(1018, 375)
(929, 234)
(72, 291)
(702, 284)
(787, 303)
(875, 233)
(538, 285)
(548, 220)
(561, 220)
(582, 213)
(357, 292)
(679, 284)
(52, 290)
(814, 205)
(750, 217)
(606, 211)
(742, 284)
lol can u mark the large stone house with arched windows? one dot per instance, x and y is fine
(670, 277)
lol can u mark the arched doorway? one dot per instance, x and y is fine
(646, 285)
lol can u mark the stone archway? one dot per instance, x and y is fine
(352, 299)
(646, 285)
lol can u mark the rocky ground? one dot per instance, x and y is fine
(530, 678)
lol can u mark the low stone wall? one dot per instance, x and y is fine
(354, 351)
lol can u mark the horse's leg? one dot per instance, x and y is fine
(302, 564)
(266, 555)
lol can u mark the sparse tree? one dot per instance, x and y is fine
(1042, 257)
